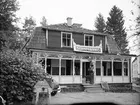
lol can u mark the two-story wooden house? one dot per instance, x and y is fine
(67, 50)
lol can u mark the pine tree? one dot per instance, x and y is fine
(115, 26)
(44, 21)
(100, 23)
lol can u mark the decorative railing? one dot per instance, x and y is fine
(89, 49)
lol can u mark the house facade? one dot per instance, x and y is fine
(66, 51)
(136, 67)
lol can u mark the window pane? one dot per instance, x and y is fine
(68, 36)
(90, 38)
(69, 67)
(98, 68)
(107, 68)
(64, 42)
(68, 42)
(48, 66)
(86, 43)
(86, 37)
(90, 43)
(117, 68)
(55, 66)
(125, 69)
(64, 35)
(77, 67)
(63, 71)
(55, 70)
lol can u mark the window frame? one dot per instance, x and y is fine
(70, 39)
(85, 39)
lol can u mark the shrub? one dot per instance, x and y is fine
(136, 81)
(18, 76)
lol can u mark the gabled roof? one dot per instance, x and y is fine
(74, 28)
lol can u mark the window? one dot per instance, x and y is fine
(66, 67)
(54, 66)
(66, 39)
(55, 70)
(107, 68)
(98, 68)
(88, 40)
(125, 69)
(117, 67)
(77, 67)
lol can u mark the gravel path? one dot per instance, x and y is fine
(82, 97)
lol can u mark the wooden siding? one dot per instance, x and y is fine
(97, 39)
(54, 38)
(78, 38)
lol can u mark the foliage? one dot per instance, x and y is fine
(115, 26)
(100, 23)
(44, 21)
(7, 18)
(18, 76)
(136, 81)
(29, 26)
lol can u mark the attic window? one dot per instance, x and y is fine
(66, 39)
(88, 40)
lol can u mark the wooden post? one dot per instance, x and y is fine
(81, 68)
(60, 57)
(129, 70)
(112, 60)
(94, 70)
(122, 70)
(101, 69)
(73, 67)
(46, 63)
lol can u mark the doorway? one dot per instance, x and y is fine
(85, 72)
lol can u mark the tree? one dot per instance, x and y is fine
(115, 26)
(100, 23)
(44, 21)
(7, 18)
(136, 30)
(28, 28)
(18, 76)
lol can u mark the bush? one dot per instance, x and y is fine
(17, 76)
(136, 81)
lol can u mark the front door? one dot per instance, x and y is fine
(86, 73)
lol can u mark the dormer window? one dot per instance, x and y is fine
(66, 39)
(88, 40)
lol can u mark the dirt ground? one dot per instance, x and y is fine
(84, 97)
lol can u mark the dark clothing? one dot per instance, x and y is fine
(91, 73)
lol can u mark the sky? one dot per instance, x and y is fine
(82, 11)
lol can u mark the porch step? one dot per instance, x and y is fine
(95, 88)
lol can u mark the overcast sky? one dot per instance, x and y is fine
(82, 11)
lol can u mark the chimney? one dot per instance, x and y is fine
(69, 21)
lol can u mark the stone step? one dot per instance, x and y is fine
(92, 86)
(95, 88)
(94, 91)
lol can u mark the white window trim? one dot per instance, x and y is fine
(92, 39)
(62, 40)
